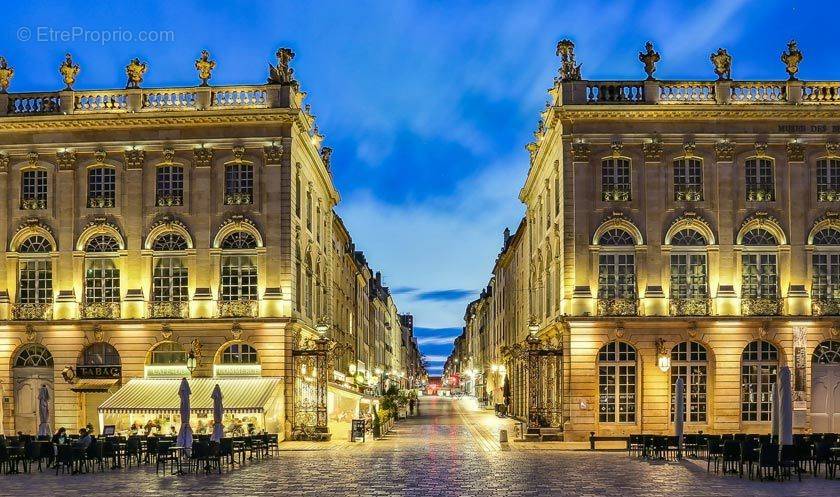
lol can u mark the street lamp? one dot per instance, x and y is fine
(663, 359)
(322, 327)
(191, 362)
(533, 329)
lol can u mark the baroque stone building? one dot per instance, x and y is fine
(179, 232)
(673, 229)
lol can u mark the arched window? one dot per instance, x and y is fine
(239, 183)
(168, 353)
(615, 179)
(33, 356)
(102, 277)
(239, 240)
(688, 238)
(616, 273)
(99, 354)
(35, 271)
(240, 353)
(759, 273)
(688, 179)
(759, 366)
(825, 264)
(689, 274)
(828, 352)
(239, 270)
(617, 383)
(616, 237)
(307, 286)
(298, 279)
(170, 278)
(169, 242)
(689, 361)
(760, 183)
(102, 243)
(102, 186)
(759, 237)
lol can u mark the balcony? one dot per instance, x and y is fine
(169, 200)
(762, 192)
(694, 306)
(238, 198)
(238, 309)
(688, 194)
(825, 306)
(100, 310)
(169, 310)
(828, 195)
(100, 202)
(761, 306)
(31, 204)
(32, 312)
(620, 306)
(617, 194)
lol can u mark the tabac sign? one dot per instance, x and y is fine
(101, 372)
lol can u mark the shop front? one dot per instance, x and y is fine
(97, 375)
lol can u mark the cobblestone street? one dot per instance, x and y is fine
(448, 450)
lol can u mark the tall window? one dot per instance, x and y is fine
(616, 265)
(35, 271)
(617, 383)
(168, 353)
(239, 183)
(689, 361)
(240, 353)
(615, 179)
(760, 185)
(309, 209)
(759, 364)
(169, 185)
(825, 284)
(34, 355)
(827, 352)
(102, 277)
(688, 179)
(297, 192)
(239, 270)
(828, 180)
(759, 271)
(33, 189)
(689, 284)
(102, 186)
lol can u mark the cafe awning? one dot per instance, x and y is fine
(94, 384)
(241, 395)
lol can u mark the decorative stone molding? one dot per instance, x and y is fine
(532, 149)
(765, 221)
(32, 158)
(205, 67)
(316, 137)
(168, 156)
(620, 221)
(832, 149)
(795, 151)
(97, 226)
(238, 154)
(237, 223)
(134, 158)
(167, 224)
(282, 73)
(66, 160)
(761, 149)
(135, 70)
(689, 148)
(724, 151)
(326, 153)
(31, 334)
(69, 71)
(690, 220)
(569, 68)
(4, 163)
(649, 58)
(100, 155)
(29, 227)
(791, 59)
(203, 156)
(236, 330)
(723, 64)
(580, 151)
(273, 154)
(653, 150)
(6, 75)
(616, 147)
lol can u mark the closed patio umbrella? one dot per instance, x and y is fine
(774, 411)
(43, 411)
(185, 437)
(218, 413)
(785, 410)
(679, 412)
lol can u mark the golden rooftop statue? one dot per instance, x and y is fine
(135, 71)
(6, 74)
(569, 69)
(723, 64)
(649, 58)
(69, 71)
(282, 73)
(205, 67)
(791, 59)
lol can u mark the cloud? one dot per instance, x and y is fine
(435, 358)
(399, 290)
(436, 340)
(436, 295)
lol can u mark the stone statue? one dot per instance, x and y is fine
(791, 59)
(723, 64)
(6, 74)
(282, 72)
(205, 67)
(135, 71)
(68, 71)
(569, 69)
(649, 58)
(326, 154)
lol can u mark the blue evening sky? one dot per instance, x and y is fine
(428, 105)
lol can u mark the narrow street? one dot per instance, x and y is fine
(447, 450)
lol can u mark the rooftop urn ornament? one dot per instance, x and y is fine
(569, 69)
(282, 72)
(205, 67)
(649, 58)
(791, 59)
(68, 71)
(326, 153)
(6, 75)
(723, 64)
(135, 70)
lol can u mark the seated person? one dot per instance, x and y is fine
(84, 440)
(60, 436)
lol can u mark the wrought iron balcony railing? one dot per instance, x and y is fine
(238, 198)
(100, 310)
(692, 306)
(30, 204)
(100, 202)
(238, 308)
(32, 312)
(169, 200)
(688, 194)
(762, 192)
(617, 194)
(761, 306)
(828, 195)
(169, 310)
(619, 306)
(825, 306)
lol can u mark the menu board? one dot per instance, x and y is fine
(358, 430)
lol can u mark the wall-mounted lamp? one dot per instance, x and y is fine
(663, 358)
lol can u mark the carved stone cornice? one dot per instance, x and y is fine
(134, 158)
(66, 160)
(203, 156)
(653, 150)
(724, 151)
(795, 151)
(273, 154)
(580, 152)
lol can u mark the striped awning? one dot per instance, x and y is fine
(94, 385)
(239, 395)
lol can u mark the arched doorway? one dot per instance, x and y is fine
(825, 387)
(99, 370)
(32, 367)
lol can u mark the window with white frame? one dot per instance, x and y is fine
(239, 183)
(240, 353)
(616, 265)
(688, 179)
(828, 180)
(33, 189)
(825, 262)
(759, 268)
(102, 186)
(689, 361)
(169, 185)
(759, 366)
(615, 179)
(35, 271)
(617, 383)
(760, 183)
